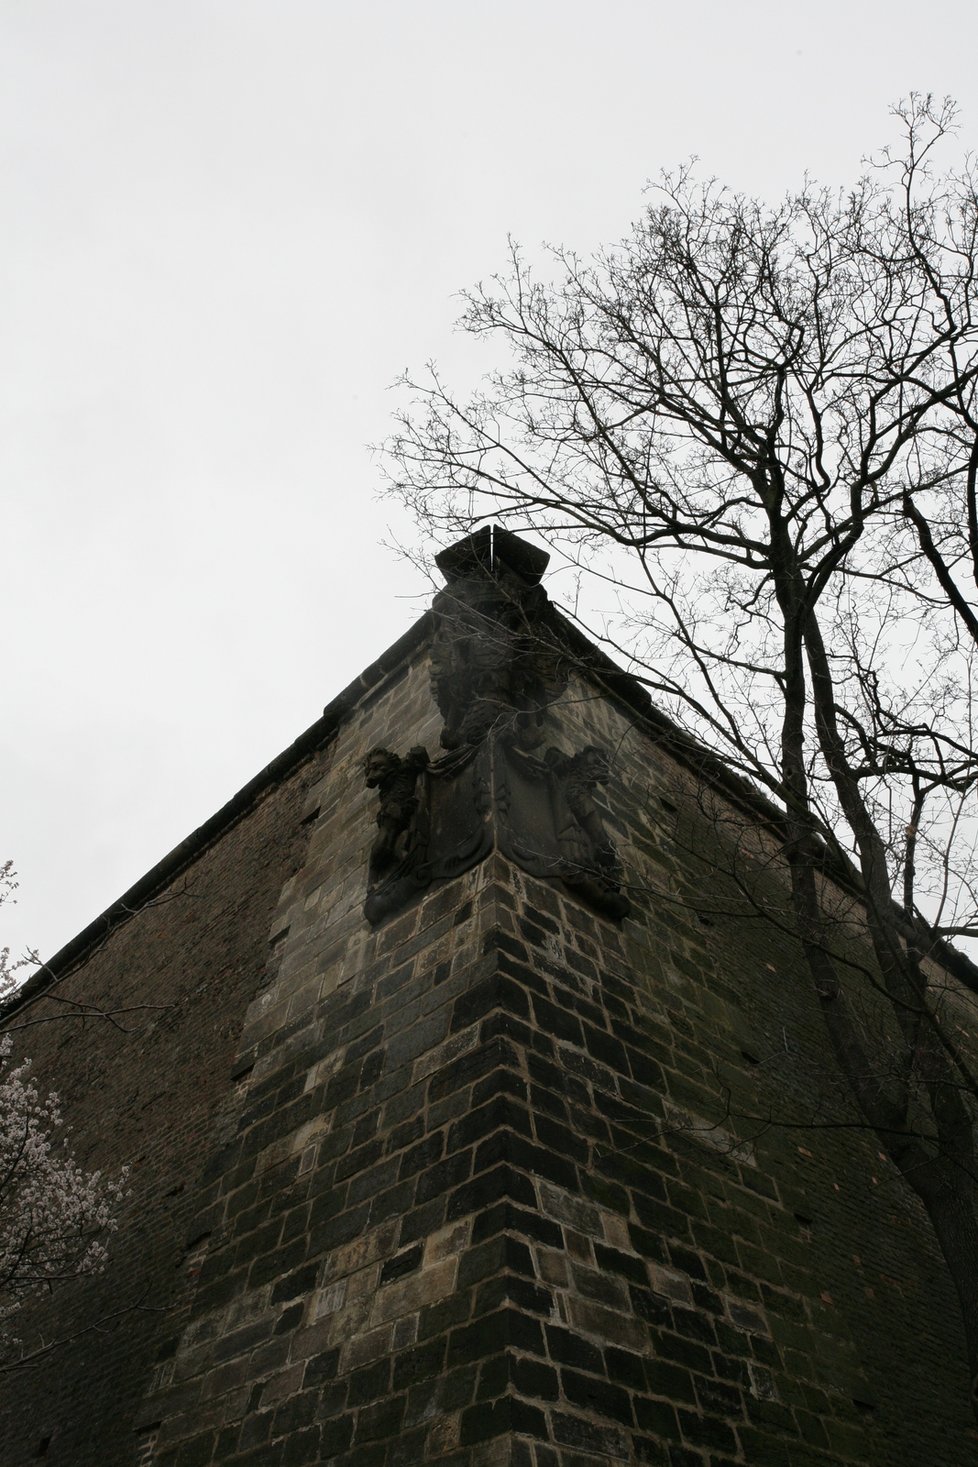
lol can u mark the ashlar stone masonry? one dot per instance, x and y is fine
(483, 1121)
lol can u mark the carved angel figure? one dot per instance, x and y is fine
(586, 841)
(396, 780)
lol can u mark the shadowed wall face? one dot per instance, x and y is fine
(143, 1071)
(505, 1174)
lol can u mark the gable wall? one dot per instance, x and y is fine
(144, 1081)
(500, 1181)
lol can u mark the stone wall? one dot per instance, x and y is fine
(144, 1073)
(515, 1184)
(503, 1181)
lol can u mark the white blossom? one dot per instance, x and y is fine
(54, 1216)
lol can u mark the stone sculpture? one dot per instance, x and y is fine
(498, 666)
(396, 779)
(494, 658)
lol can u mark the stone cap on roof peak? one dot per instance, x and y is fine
(489, 550)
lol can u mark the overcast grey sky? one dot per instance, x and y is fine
(227, 225)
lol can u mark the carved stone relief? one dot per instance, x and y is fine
(497, 666)
(495, 660)
(437, 825)
(551, 824)
(395, 780)
(439, 819)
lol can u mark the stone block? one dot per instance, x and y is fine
(410, 1294)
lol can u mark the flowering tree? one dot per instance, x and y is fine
(54, 1216)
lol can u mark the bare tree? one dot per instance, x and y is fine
(10, 966)
(760, 425)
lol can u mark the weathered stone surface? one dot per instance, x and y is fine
(499, 1180)
(154, 1086)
